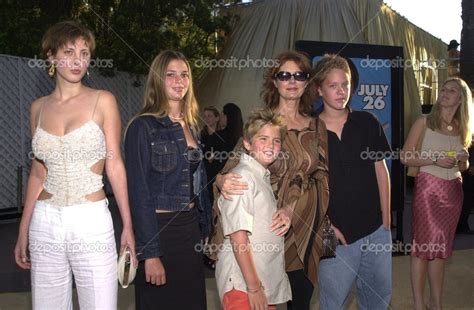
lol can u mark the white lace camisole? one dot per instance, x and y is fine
(69, 159)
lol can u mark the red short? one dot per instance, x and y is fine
(238, 300)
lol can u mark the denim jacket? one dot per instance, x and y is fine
(156, 159)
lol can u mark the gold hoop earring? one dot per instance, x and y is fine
(51, 71)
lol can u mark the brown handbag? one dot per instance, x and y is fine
(412, 171)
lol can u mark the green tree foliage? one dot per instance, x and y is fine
(130, 32)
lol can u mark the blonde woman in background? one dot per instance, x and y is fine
(438, 194)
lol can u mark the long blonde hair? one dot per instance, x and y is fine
(463, 114)
(155, 100)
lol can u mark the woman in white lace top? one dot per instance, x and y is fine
(66, 224)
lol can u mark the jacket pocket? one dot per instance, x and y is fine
(164, 156)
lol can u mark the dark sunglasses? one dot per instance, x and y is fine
(286, 76)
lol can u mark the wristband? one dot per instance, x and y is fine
(255, 290)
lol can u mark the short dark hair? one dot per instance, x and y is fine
(64, 32)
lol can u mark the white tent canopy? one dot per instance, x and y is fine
(265, 28)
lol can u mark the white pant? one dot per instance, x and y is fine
(76, 240)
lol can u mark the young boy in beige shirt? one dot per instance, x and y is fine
(250, 270)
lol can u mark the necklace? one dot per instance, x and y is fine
(449, 127)
(180, 117)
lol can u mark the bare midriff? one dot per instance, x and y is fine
(96, 196)
(189, 206)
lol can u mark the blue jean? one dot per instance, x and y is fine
(368, 261)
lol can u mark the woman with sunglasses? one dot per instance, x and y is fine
(301, 181)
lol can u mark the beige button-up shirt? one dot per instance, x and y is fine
(253, 213)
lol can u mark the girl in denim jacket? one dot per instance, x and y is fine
(163, 161)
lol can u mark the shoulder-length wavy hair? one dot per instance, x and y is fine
(155, 99)
(463, 114)
(270, 94)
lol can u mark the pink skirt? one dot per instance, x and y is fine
(436, 209)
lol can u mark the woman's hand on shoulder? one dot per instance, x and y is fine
(229, 185)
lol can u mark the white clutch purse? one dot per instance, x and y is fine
(126, 271)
